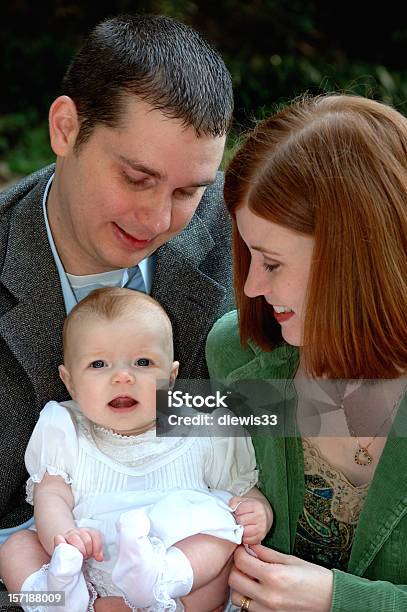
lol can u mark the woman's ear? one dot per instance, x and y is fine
(63, 125)
(67, 380)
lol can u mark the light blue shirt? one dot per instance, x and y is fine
(5, 533)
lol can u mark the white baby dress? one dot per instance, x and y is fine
(183, 483)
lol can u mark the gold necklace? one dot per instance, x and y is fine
(362, 455)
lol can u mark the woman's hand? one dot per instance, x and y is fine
(255, 515)
(274, 581)
(87, 541)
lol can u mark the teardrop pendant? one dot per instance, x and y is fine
(363, 457)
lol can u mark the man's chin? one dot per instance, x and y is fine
(126, 259)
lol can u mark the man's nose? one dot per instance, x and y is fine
(156, 217)
(123, 376)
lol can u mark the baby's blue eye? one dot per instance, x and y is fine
(99, 363)
(143, 362)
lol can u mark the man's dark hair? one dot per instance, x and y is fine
(158, 59)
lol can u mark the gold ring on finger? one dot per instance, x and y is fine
(245, 604)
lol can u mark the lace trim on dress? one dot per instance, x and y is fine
(92, 596)
(347, 499)
(118, 439)
(93, 593)
(37, 478)
(131, 451)
(241, 491)
(101, 580)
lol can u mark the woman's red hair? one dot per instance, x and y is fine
(333, 167)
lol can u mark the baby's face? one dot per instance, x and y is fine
(112, 367)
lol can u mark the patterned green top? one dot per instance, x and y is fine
(332, 505)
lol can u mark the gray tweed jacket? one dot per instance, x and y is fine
(192, 281)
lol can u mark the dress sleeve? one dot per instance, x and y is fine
(231, 466)
(52, 448)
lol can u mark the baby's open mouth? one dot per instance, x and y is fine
(123, 402)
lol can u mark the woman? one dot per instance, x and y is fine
(318, 197)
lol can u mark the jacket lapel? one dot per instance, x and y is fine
(190, 297)
(386, 502)
(30, 276)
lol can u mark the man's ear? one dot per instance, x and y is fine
(63, 125)
(174, 373)
(66, 379)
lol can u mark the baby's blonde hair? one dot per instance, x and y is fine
(112, 303)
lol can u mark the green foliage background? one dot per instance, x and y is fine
(275, 50)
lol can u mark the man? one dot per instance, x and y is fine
(138, 134)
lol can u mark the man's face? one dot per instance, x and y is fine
(129, 189)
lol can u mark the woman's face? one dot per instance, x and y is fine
(279, 269)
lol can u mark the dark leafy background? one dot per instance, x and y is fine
(275, 50)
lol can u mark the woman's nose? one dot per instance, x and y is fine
(255, 284)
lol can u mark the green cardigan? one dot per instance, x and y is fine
(376, 580)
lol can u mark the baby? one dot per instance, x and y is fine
(119, 510)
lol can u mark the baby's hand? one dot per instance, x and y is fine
(87, 541)
(255, 515)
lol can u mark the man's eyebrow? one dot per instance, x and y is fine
(140, 167)
(262, 250)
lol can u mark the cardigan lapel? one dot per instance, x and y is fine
(287, 489)
(30, 276)
(190, 297)
(386, 502)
